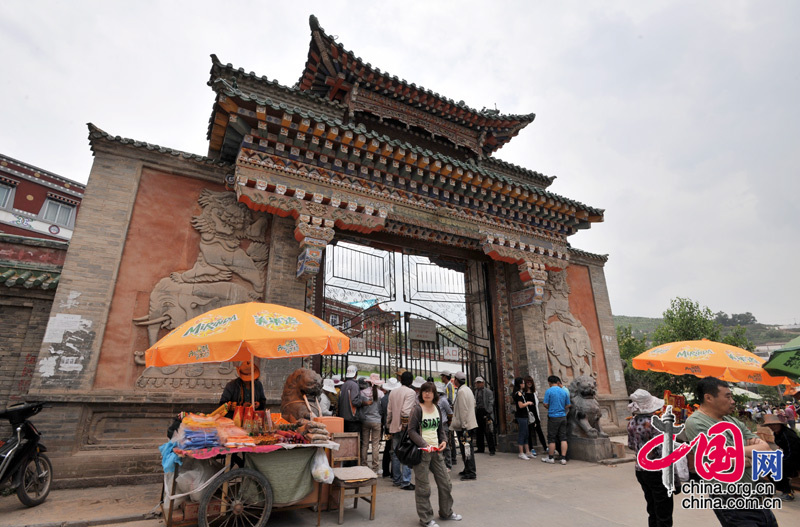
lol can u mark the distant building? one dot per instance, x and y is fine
(37, 215)
(37, 203)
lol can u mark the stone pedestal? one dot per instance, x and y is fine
(587, 449)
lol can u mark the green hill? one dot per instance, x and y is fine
(760, 334)
(639, 325)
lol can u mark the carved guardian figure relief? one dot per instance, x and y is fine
(569, 349)
(232, 246)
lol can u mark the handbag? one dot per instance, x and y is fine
(531, 415)
(407, 451)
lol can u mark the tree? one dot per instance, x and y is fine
(686, 320)
(738, 338)
(630, 347)
(743, 319)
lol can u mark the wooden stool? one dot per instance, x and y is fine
(352, 477)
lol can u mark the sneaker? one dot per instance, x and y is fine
(379, 472)
(548, 459)
(563, 461)
(491, 453)
(431, 523)
(455, 517)
(532, 454)
(410, 486)
(523, 456)
(787, 497)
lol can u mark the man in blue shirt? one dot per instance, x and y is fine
(556, 400)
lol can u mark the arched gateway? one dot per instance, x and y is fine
(355, 195)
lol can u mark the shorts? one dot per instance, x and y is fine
(556, 429)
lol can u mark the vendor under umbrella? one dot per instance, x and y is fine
(238, 390)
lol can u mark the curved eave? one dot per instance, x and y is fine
(96, 135)
(331, 70)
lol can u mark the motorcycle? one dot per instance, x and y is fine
(23, 465)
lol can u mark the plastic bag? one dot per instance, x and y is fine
(192, 480)
(320, 468)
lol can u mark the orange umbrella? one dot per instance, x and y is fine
(243, 331)
(706, 358)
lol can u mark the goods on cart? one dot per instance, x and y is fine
(313, 431)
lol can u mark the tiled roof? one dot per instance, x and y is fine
(538, 177)
(225, 88)
(28, 278)
(230, 72)
(588, 255)
(96, 134)
(328, 59)
(305, 100)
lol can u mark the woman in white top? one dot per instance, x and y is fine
(426, 430)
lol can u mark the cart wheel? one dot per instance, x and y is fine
(247, 500)
(34, 480)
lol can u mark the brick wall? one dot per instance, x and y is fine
(24, 314)
(284, 289)
(90, 269)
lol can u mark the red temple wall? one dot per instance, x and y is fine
(582, 306)
(160, 240)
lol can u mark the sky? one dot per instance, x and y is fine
(680, 119)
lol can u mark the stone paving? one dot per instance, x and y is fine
(508, 489)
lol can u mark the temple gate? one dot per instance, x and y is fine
(354, 195)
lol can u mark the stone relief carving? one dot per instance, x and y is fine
(232, 242)
(569, 348)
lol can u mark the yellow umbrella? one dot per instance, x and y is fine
(244, 331)
(706, 358)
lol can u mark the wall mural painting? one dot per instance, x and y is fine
(569, 349)
(233, 244)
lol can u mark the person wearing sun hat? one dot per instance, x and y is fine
(238, 390)
(640, 431)
(328, 391)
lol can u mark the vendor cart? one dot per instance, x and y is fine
(243, 489)
(253, 482)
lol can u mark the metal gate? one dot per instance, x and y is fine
(441, 322)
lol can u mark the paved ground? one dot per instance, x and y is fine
(508, 489)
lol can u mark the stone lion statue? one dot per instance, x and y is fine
(584, 415)
(302, 382)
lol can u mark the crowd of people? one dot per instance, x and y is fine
(441, 417)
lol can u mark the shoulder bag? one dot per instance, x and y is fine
(531, 415)
(407, 451)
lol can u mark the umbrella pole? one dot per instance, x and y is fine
(252, 381)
